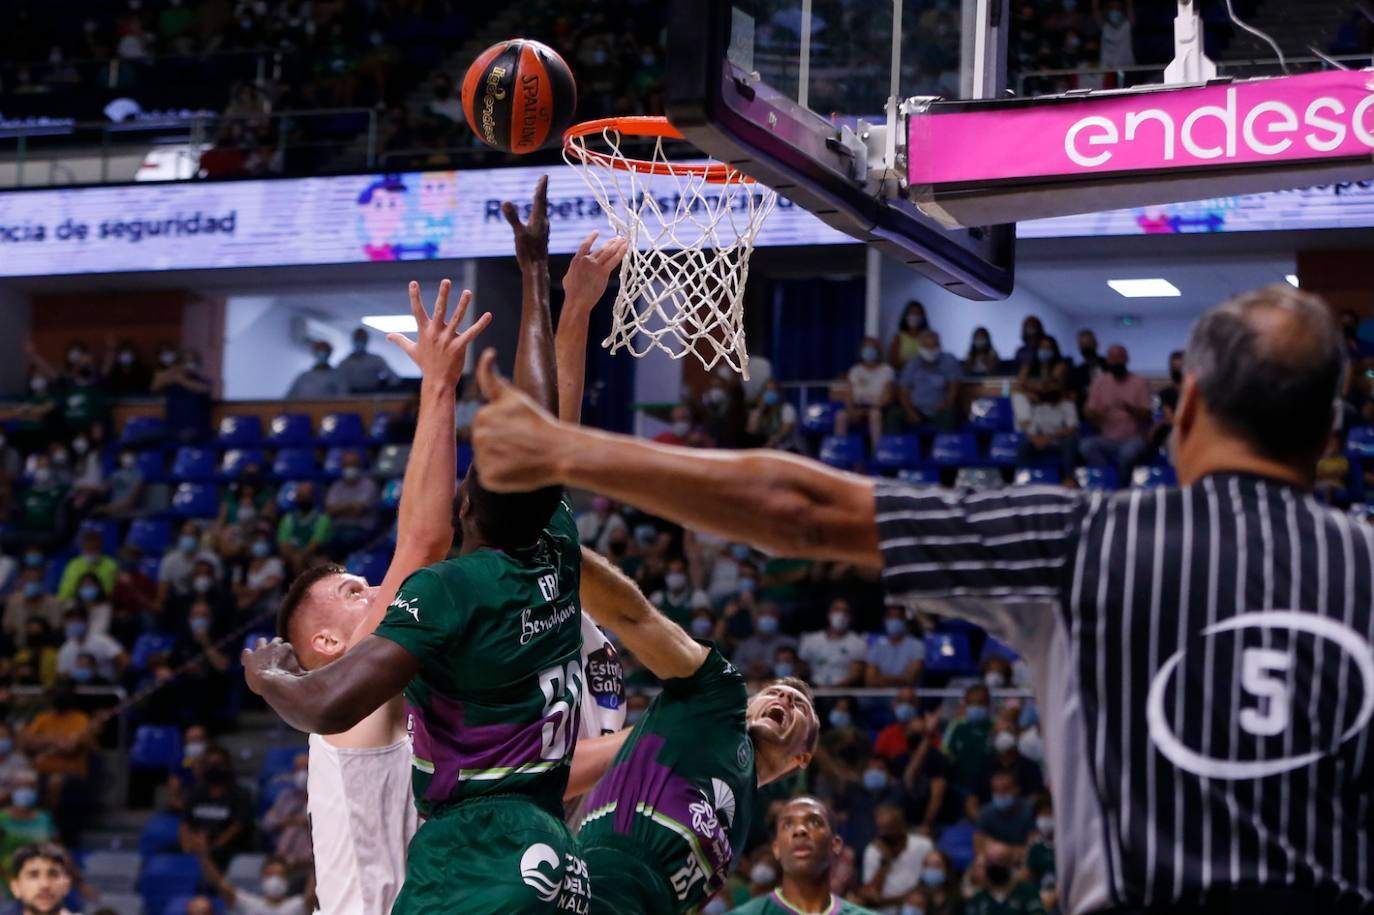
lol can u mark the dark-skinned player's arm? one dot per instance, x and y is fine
(780, 503)
(583, 285)
(535, 369)
(424, 519)
(661, 645)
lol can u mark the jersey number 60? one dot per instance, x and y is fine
(562, 688)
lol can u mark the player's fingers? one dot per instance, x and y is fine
(405, 343)
(541, 198)
(475, 330)
(489, 380)
(585, 248)
(262, 643)
(464, 300)
(612, 253)
(441, 302)
(508, 211)
(416, 308)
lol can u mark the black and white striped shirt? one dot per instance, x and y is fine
(1203, 662)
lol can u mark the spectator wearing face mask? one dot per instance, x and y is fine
(186, 395)
(274, 897)
(678, 599)
(763, 874)
(897, 657)
(352, 503)
(38, 515)
(906, 342)
(257, 582)
(321, 381)
(1116, 19)
(1082, 374)
(966, 740)
(303, 532)
(869, 392)
(939, 885)
(30, 599)
(23, 821)
(1032, 330)
(92, 597)
(285, 824)
(772, 422)
(787, 664)
(892, 862)
(84, 403)
(90, 560)
(754, 655)
(894, 740)
(926, 773)
(723, 581)
(929, 384)
(1006, 757)
(35, 662)
(982, 360)
(843, 751)
(1048, 420)
(125, 373)
(595, 526)
(60, 742)
(122, 490)
(36, 420)
(195, 740)
(218, 810)
(14, 765)
(1002, 893)
(1008, 817)
(1040, 853)
(1042, 370)
(681, 431)
(82, 638)
(364, 372)
(1121, 406)
(837, 656)
(203, 664)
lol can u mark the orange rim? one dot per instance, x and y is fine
(642, 126)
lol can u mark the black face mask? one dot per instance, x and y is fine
(1176, 376)
(1350, 330)
(1051, 396)
(1089, 353)
(997, 874)
(1119, 371)
(618, 548)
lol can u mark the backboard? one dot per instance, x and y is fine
(810, 96)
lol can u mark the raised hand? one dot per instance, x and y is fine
(438, 349)
(531, 238)
(513, 440)
(590, 271)
(268, 658)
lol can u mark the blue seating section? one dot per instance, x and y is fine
(1004, 448)
(1097, 478)
(920, 476)
(819, 418)
(290, 429)
(143, 432)
(333, 460)
(196, 465)
(341, 429)
(156, 747)
(1359, 442)
(152, 465)
(147, 645)
(949, 652)
(1153, 477)
(239, 432)
(195, 500)
(954, 449)
(159, 834)
(166, 877)
(379, 433)
(1037, 476)
(294, 464)
(370, 564)
(897, 452)
(990, 414)
(845, 452)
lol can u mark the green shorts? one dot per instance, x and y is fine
(623, 883)
(501, 855)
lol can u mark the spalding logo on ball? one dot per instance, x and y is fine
(518, 95)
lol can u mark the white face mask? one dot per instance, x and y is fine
(1004, 741)
(994, 679)
(1045, 826)
(839, 621)
(275, 887)
(762, 874)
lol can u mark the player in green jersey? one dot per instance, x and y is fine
(487, 650)
(670, 818)
(805, 844)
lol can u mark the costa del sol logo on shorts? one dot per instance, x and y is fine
(539, 868)
(1292, 709)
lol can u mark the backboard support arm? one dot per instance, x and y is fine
(1191, 63)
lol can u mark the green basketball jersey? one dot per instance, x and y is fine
(682, 787)
(494, 708)
(775, 903)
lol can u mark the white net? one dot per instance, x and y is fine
(682, 281)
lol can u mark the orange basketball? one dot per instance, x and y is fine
(519, 95)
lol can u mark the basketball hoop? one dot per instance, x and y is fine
(682, 280)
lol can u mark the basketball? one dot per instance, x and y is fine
(518, 95)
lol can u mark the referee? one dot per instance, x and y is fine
(1201, 655)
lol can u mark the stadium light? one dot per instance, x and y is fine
(1293, 280)
(391, 324)
(1145, 289)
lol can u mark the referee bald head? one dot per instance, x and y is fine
(1262, 375)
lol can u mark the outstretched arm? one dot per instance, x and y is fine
(333, 698)
(583, 286)
(535, 372)
(657, 641)
(778, 502)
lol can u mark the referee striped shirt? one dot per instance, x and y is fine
(1203, 662)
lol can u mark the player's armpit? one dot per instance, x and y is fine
(659, 643)
(333, 698)
(590, 761)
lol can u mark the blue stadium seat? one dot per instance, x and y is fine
(995, 649)
(153, 465)
(278, 761)
(957, 842)
(147, 645)
(156, 746)
(1153, 477)
(165, 877)
(1359, 442)
(143, 432)
(295, 464)
(108, 531)
(341, 429)
(990, 414)
(897, 452)
(463, 459)
(1004, 448)
(819, 418)
(176, 905)
(290, 429)
(920, 476)
(236, 459)
(370, 564)
(195, 500)
(1037, 476)
(391, 461)
(151, 566)
(949, 652)
(845, 452)
(978, 479)
(954, 449)
(1090, 478)
(159, 834)
(239, 432)
(391, 495)
(380, 431)
(286, 496)
(196, 465)
(333, 460)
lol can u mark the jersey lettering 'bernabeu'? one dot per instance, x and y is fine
(1203, 661)
(680, 793)
(495, 706)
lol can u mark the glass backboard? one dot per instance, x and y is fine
(796, 93)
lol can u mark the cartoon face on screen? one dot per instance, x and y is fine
(382, 210)
(438, 194)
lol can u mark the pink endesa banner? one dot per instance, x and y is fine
(1289, 119)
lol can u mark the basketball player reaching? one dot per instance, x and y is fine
(666, 824)
(487, 648)
(805, 844)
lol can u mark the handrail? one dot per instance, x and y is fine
(1222, 65)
